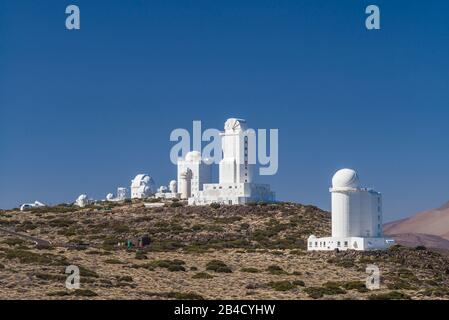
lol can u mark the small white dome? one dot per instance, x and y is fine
(193, 156)
(345, 178)
(109, 196)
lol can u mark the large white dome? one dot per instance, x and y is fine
(345, 178)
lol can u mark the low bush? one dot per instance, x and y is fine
(170, 265)
(250, 270)
(113, 261)
(360, 286)
(273, 269)
(282, 285)
(215, 205)
(329, 288)
(140, 255)
(299, 283)
(218, 266)
(51, 277)
(125, 278)
(184, 296)
(392, 295)
(176, 204)
(202, 275)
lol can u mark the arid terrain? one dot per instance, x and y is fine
(213, 252)
(429, 228)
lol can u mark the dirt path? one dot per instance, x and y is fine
(37, 241)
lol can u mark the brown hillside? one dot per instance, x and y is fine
(227, 252)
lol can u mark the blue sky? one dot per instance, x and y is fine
(84, 111)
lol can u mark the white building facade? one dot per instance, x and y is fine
(236, 184)
(193, 174)
(356, 217)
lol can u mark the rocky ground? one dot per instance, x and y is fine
(227, 252)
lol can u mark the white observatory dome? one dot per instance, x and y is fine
(82, 197)
(234, 124)
(345, 178)
(109, 196)
(193, 156)
(173, 186)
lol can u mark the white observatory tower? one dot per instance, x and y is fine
(356, 216)
(235, 184)
(356, 212)
(235, 167)
(185, 183)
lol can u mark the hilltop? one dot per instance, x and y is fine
(212, 252)
(429, 228)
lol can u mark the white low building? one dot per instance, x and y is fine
(122, 195)
(236, 184)
(36, 204)
(170, 192)
(356, 217)
(142, 186)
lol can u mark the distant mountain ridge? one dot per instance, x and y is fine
(429, 228)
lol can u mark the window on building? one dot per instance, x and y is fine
(338, 244)
(346, 244)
